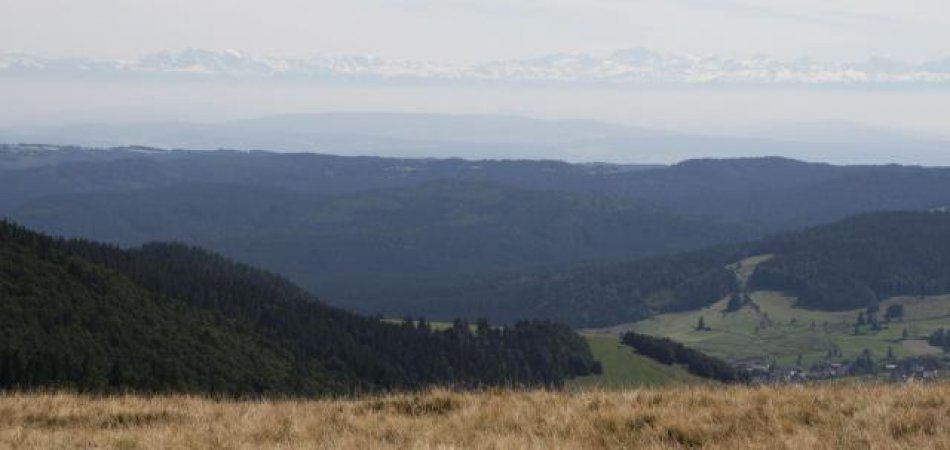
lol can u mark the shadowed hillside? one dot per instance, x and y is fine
(383, 235)
(848, 265)
(167, 317)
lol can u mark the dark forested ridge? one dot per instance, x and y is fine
(391, 234)
(769, 193)
(430, 232)
(855, 262)
(595, 295)
(845, 265)
(168, 317)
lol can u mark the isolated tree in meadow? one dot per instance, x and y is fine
(735, 302)
(940, 339)
(890, 353)
(861, 319)
(905, 334)
(701, 324)
(894, 312)
(875, 324)
(597, 368)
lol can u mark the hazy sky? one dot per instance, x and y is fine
(478, 30)
(475, 31)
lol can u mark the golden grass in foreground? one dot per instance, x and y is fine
(853, 416)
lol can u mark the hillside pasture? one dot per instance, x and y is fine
(773, 328)
(847, 416)
(623, 368)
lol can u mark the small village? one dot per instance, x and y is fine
(905, 370)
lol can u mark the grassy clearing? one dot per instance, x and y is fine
(775, 329)
(623, 368)
(745, 268)
(793, 331)
(821, 417)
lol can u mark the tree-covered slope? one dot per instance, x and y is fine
(363, 246)
(33, 172)
(846, 265)
(169, 317)
(389, 234)
(66, 321)
(764, 194)
(858, 261)
(589, 296)
(670, 352)
(777, 193)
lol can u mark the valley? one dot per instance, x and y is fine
(397, 236)
(453, 225)
(778, 331)
(768, 328)
(471, 249)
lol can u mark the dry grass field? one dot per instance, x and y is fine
(843, 416)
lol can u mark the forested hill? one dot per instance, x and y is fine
(858, 261)
(167, 317)
(366, 245)
(589, 296)
(772, 193)
(845, 265)
(387, 234)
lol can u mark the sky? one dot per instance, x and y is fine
(479, 31)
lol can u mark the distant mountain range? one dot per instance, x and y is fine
(494, 137)
(373, 233)
(625, 67)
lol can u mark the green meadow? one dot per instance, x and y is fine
(623, 368)
(775, 329)
(772, 328)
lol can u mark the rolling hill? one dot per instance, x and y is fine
(873, 284)
(490, 137)
(387, 235)
(358, 247)
(167, 317)
(847, 265)
(774, 194)
(858, 261)
(775, 330)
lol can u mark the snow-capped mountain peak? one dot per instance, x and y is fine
(623, 67)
